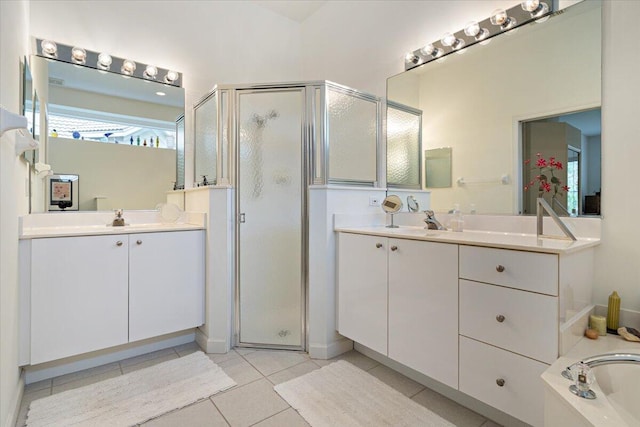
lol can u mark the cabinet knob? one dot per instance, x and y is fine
(119, 243)
(378, 245)
(500, 268)
(139, 242)
(500, 382)
(500, 318)
(394, 248)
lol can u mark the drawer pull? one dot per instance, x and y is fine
(500, 318)
(378, 245)
(119, 243)
(500, 382)
(500, 268)
(139, 242)
(394, 248)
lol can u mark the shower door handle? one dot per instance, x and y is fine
(241, 219)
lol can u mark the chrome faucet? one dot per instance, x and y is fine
(432, 222)
(581, 371)
(118, 221)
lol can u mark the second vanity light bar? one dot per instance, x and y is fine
(105, 62)
(499, 22)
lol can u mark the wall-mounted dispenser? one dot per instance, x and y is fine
(11, 121)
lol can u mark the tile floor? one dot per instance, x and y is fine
(253, 402)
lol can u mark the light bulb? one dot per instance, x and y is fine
(499, 17)
(104, 61)
(412, 58)
(49, 48)
(472, 29)
(171, 76)
(428, 50)
(78, 55)
(530, 5)
(448, 39)
(431, 50)
(150, 72)
(128, 67)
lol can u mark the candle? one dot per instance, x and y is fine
(599, 323)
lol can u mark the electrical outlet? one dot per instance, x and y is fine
(374, 201)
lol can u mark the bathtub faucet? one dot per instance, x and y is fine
(581, 371)
(604, 359)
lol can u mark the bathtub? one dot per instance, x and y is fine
(617, 388)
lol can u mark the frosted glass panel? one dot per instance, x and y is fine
(403, 148)
(206, 128)
(353, 130)
(180, 153)
(270, 203)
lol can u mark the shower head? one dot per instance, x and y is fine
(261, 121)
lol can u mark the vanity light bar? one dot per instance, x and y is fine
(480, 32)
(105, 62)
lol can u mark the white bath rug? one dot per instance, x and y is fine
(342, 395)
(133, 398)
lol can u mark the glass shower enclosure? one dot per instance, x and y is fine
(270, 143)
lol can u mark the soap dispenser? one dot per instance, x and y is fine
(457, 223)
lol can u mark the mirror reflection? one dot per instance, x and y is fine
(118, 134)
(479, 103)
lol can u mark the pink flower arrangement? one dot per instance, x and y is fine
(546, 179)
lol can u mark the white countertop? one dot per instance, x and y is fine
(503, 240)
(96, 230)
(598, 412)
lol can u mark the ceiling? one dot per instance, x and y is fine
(295, 10)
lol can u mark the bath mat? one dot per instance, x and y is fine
(135, 397)
(342, 395)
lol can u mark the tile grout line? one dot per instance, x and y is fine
(219, 411)
(271, 416)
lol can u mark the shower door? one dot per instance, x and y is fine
(271, 225)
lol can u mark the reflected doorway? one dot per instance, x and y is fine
(561, 163)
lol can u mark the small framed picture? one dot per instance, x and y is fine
(62, 192)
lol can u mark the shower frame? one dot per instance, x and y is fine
(315, 163)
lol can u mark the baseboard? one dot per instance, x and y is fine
(12, 419)
(211, 345)
(102, 357)
(453, 394)
(334, 349)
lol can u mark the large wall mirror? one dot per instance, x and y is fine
(529, 94)
(116, 133)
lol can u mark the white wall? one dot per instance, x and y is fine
(616, 258)
(14, 30)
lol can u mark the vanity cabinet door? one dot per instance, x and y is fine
(166, 282)
(78, 295)
(362, 289)
(423, 308)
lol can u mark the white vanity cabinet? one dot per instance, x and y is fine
(363, 290)
(400, 298)
(166, 283)
(482, 319)
(423, 308)
(509, 321)
(89, 293)
(79, 295)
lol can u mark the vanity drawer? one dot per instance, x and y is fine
(530, 271)
(529, 325)
(521, 394)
